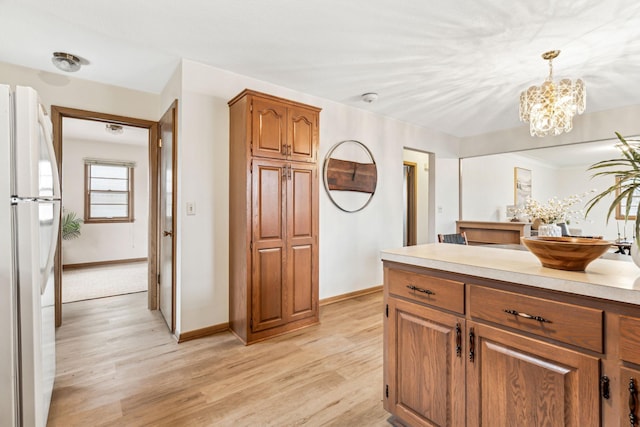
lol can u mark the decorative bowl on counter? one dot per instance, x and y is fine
(566, 253)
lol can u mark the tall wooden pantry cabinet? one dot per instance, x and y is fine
(273, 216)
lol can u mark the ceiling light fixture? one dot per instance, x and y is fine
(550, 107)
(66, 62)
(369, 97)
(114, 129)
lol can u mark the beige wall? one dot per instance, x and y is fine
(105, 241)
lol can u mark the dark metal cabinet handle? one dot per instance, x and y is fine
(424, 291)
(458, 340)
(633, 402)
(604, 384)
(528, 316)
(472, 345)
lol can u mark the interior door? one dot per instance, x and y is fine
(409, 205)
(167, 218)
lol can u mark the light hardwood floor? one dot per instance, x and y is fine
(118, 365)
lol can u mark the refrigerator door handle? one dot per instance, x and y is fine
(54, 244)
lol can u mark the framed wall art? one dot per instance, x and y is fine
(521, 186)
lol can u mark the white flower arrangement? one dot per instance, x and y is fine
(555, 211)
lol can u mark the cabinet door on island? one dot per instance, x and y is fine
(518, 381)
(425, 370)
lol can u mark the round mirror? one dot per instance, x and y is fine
(350, 175)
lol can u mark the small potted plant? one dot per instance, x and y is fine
(71, 225)
(626, 173)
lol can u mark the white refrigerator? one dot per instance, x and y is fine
(29, 225)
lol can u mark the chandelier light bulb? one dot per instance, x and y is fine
(550, 107)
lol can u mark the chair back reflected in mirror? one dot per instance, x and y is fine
(458, 238)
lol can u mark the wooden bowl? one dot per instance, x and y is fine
(566, 253)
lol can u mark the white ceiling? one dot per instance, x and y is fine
(89, 130)
(454, 66)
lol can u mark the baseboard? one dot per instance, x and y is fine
(223, 327)
(204, 332)
(355, 294)
(102, 263)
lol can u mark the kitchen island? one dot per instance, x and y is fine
(486, 336)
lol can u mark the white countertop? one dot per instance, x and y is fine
(607, 279)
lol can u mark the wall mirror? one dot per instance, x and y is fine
(487, 183)
(350, 175)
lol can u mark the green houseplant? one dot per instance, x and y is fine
(71, 225)
(626, 173)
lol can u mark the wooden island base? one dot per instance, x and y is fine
(544, 348)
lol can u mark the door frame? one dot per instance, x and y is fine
(58, 113)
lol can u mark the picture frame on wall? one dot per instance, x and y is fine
(521, 185)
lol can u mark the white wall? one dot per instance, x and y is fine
(421, 160)
(496, 172)
(73, 92)
(488, 185)
(349, 243)
(594, 126)
(105, 241)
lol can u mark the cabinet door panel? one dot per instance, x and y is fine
(301, 201)
(267, 289)
(424, 371)
(302, 284)
(268, 240)
(268, 200)
(518, 381)
(268, 129)
(302, 255)
(302, 134)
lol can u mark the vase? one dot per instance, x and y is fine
(635, 253)
(549, 230)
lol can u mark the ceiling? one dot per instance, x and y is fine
(90, 130)
(457, 66)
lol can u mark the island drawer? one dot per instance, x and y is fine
(568, 323)
(442, 293)
(629, 339)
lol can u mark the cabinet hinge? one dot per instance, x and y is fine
(251, 148)
(251, 323)
(251, 107)
(251, 166)
(159, 142)
(251, 245)
(387, 311)
(158, 278)
(386, 391)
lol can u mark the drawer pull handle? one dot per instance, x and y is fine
(528, 316)
(633, 403)
(424, 291)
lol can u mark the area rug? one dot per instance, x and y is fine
(100, 282)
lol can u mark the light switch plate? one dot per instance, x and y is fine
(191, 208)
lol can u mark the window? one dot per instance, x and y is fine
(621, 208)
(108, 191)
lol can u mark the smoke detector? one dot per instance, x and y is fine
(369, 97)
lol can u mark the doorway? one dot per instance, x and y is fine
(418, 195)
(409, 204)
(59, 115)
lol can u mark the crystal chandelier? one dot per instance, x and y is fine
(550, 107)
